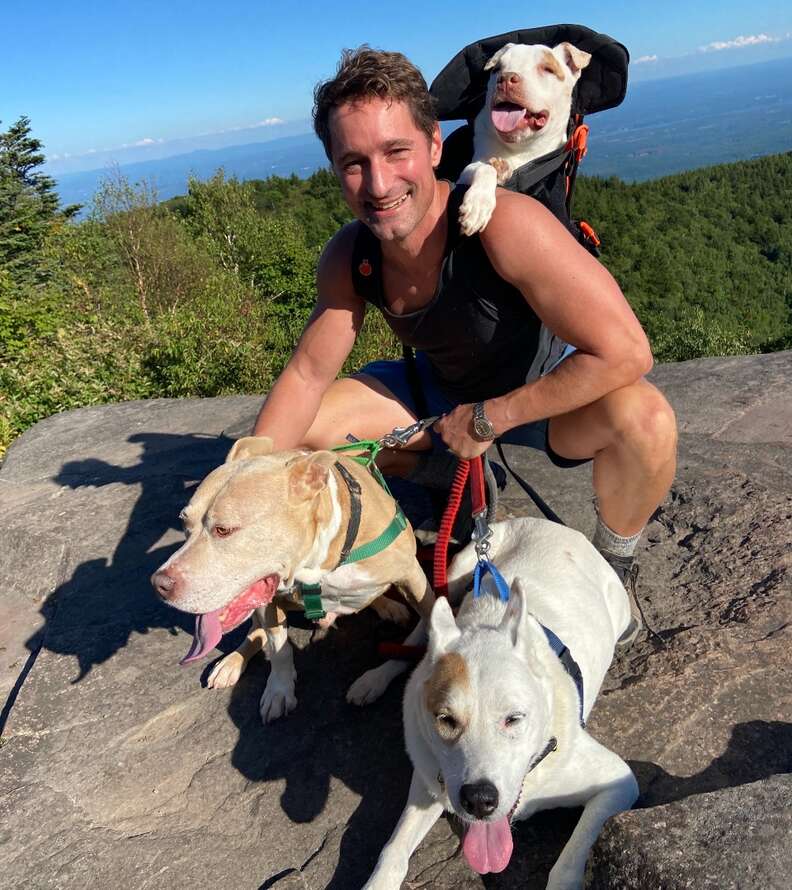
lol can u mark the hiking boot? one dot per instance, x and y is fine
(626, 569)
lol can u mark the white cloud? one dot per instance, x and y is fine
(644, 59)
(739, 42)
(269, 122)
(147, 141)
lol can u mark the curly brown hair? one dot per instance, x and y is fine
(366, 73)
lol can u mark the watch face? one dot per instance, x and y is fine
(483, 428)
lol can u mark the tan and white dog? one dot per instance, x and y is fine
(492, 717)
(263, 522)
(525, 116)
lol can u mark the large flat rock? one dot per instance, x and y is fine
(120, 769)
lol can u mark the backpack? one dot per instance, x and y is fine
(460, 89)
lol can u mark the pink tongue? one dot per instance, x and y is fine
(210, 627)
(507, 120)
(488, 845)
(208, 634)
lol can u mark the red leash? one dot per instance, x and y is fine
(474, 469)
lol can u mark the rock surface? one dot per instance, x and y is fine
(119, 769)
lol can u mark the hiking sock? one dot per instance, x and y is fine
(619, 552)
(607, 541)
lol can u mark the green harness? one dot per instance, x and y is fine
(312, 593)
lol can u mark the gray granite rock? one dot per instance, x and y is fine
(119, 769)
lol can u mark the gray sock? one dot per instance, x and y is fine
(606, 540)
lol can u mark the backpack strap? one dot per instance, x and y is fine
(366, 266)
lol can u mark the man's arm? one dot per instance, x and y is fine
(328, 338)
(578, 299)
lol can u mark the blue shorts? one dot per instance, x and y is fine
(393, 376)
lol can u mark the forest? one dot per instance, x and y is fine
(206, 294)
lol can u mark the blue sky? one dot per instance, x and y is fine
(94, 76)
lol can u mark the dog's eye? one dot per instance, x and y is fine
(446, 721)
(513, 719)
(222, 531)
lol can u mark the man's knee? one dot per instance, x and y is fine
(642, 418)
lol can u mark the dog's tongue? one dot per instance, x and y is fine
(210, 627)
(488, 845)
(208, 634)
(507, 119)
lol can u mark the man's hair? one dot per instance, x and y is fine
(366, 73)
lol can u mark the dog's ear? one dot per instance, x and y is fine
(308, 474)
(575, 59)
(494, 60)
(517, 621)
(443, 630)
(250, 446)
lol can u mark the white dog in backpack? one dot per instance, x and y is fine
(494, 717)
(525, 116)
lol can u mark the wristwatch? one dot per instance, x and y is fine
(482, 428)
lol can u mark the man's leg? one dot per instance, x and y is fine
(631, 435)
(363, 406)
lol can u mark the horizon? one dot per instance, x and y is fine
(191, 76)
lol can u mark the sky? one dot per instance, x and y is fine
(150, 76)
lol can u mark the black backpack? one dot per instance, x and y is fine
(459, 91)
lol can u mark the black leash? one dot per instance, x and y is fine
(543, 508)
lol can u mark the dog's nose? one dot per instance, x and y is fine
(164, 584)
(480, 799)
(509, 77)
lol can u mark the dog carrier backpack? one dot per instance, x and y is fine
(460, 90)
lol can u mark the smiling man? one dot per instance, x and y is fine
(489, 315)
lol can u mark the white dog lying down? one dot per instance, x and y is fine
(266, 521)
(492, 716)
(525, 116)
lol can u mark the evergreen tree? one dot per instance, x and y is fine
(28, 201)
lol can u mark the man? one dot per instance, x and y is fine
(476, 307)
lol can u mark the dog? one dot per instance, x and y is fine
(494, 719)
(266, 521)
(525, 116)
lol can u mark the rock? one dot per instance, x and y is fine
(120, 769)
(733, 839)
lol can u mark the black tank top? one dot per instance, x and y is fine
(481, 337)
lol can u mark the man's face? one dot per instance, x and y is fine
(385, 165)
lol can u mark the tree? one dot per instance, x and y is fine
(28, 202)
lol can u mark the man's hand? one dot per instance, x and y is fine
(456, 430)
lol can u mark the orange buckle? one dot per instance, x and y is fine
(588, 233)
(578, 141)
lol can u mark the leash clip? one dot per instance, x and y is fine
(481, 535)
(401, 435)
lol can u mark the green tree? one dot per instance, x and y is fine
(28, 202)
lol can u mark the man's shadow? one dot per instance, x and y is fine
(92, 614)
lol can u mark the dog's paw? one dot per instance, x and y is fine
(278, 699)
(390, 610)
(226, 672)
(368, 687)
(476, 209)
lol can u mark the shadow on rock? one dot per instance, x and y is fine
(757, 750)
(92, 615)
(326, 743)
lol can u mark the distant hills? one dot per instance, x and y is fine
(663, 127)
